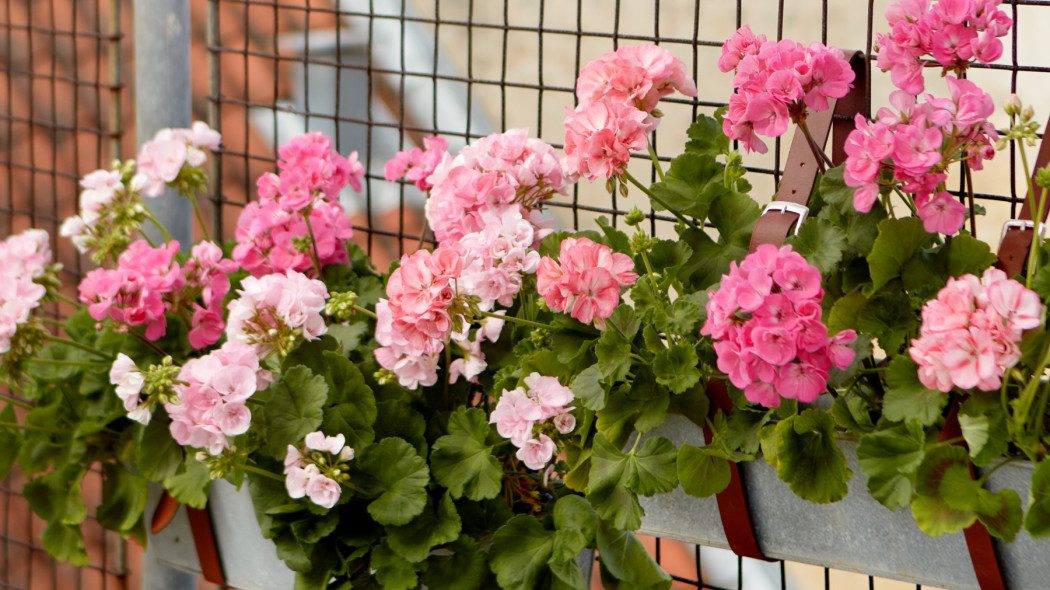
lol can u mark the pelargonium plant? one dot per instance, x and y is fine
(483, 411)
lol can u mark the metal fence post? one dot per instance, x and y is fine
(163, 98)
(163, 93)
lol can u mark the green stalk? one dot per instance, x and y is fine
(656, 161)
(16, 402)
(258, 471)
(517, 320)
(156, 222)
(69, 300)
(79, 346)
(366, 312)
(66, 363)
(313, 245)
(1036, 205)
(969, 193)
(31, 427)
(199, 215)
(988, 474)
(660, 201)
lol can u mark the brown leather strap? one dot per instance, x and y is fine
(800, 172)
(1016, 243)
(732, 503)
(978, 540)
(203, 536)
(204, 539)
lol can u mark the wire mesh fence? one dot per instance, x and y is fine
(380, 75)
(61, 113)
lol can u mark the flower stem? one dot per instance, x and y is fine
(69, 300)
(149, 344)
(366, 312)
(969, 194)
(988, 474)
(17, 426)
(77, 345)
(822, 159)
(156, 222)
(258, 471)
(16, 402)
(313, 245)
(659, 201)
(656, 161)
(517, 320)
(192, 196)
(67, 363)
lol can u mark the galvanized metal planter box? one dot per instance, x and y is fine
(856, 534)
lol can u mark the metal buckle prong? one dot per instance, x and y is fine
(1021, 224)
(789, 207)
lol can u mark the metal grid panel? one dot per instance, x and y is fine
(379, 75)
(60, 117)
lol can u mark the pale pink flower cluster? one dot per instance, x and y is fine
(522, 416)
(416, 165)
(298, 214)
(618, 94)
(274, 311)
(915, 143)
(419, 313)
(23, 257)
(473, 363)
(212, 393)
(970, 332)
(208, 271)
(305, 471)
(105, 203)
(953, 32)
(500, 171)
(139, 291)
(161, 159)
(765, 319)
(129, 381)
(585, 281)
(777, 82)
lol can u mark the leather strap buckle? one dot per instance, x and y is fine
(789, 207)
(1020, 224)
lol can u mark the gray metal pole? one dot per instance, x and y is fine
(163, 94)
(163, 98)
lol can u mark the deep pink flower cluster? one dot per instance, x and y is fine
(303, 468)
(275, 311)
(915, 144)
(521, 415)
(618, 93)
(970, 332)
(208, 271)
(212, 392)
(23, 257)
(487, 176)
(776, 82)
(139, 291)
(953, 32)
(298, 214)
(161, 159)
(585, 281)
(765, 319)
(416, 164)
(417, 317)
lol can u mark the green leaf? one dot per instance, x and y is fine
(898, 242)
(65, 543)
(391, 571)
(351, 406)
(1000, 513)
(398, 419)
(462, 461)
(852, 414)
(10, 441)
(520, 551)
(820, 242)
(124, 497)
(624, 321)
(675, 367)
(834, 191)
(567, 576)
(702, 474)
(906, 397)
(626, 559)
(398, 476)
(295, 409)
(691, 184)
(967, 254)
(313, 529)
(808, 458)
(946, 496)
(983, 424)
(589, 389)
(575, 522)
(640, 407)
(889, 458)
(414, 540)
(159, 456)
(614, 355)
(56, 496)
(463, 568)
(706, 137)
(191, 486)
(681, 319)
(615, 478)
(1037, 512)
(349, 336)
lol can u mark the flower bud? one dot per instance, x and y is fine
(634, 217)
(1027, 114)
(1012, 106)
